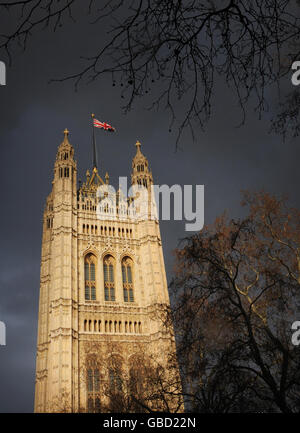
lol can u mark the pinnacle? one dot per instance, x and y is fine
(66, 138)
(138, 146)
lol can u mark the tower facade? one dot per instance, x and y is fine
(102, 341)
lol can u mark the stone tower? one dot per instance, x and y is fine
(103, 292)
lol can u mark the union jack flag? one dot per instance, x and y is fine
(104, 125)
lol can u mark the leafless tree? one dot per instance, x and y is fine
(236, 295)
(171, 53)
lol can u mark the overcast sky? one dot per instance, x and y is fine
(224, 158)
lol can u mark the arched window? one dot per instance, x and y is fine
(115, 380)
(93, 389)
(109, 279)
(90, 277)
(127, 279)
(137, 383)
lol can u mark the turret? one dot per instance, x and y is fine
(65, 166)
(141, 175)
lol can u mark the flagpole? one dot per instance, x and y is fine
(94, 144)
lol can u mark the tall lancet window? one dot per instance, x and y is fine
(109, 278)
(90, 277)
(93, 387)
(127, 279)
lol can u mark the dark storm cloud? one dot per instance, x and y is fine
(33, 115)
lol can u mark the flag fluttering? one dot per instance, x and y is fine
(103, 125)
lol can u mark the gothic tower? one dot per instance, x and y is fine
(103, 293)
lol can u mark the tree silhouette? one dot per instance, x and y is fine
(236, 295)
